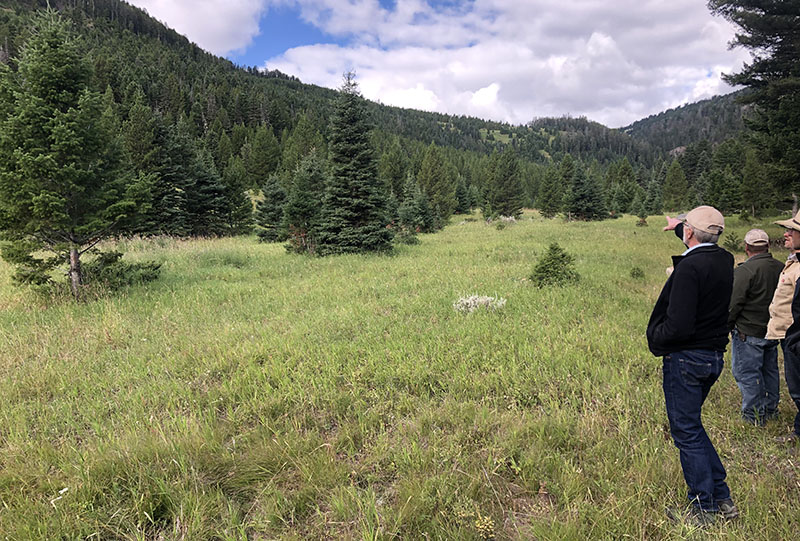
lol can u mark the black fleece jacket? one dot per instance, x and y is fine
(692, 310)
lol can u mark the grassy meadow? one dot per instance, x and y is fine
(253, 394)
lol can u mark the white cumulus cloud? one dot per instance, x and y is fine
(218, 27)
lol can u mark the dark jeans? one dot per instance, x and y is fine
(755, 369)
(791, 370)
(688, 377)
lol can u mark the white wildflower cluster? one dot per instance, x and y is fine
(474, 302)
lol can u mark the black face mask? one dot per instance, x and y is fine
(679, 233)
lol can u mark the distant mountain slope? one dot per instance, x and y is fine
(715, 120)
(130, 50)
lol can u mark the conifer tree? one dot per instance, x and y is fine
(239, 216)
(638, 208)
(768, 28)
(303, 202)
(503, 195)
(174, 182)
(207, 206)
(139, 133)
(304, 139)
(626, 181)
(652, 201)
(754, 187)
(550, 194)
(269, 211)
(414, 214)
(354, 215)
(261, 155)
(463, 204)
(674, 193)
(436, 181)
(224, 151)
(724, 192)
(583, 199)
(61, 190)
(392, 168)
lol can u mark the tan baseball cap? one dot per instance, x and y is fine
(792, 223)
(756, 237)
(707, 219)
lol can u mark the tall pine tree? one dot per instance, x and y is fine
(503, 196)
(769, 29)
(61, 190)
(435, 180)
(354, 209)
(302, 209)
(584, 199)
(269, 211)
(674, 194)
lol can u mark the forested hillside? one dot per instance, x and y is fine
(713, 120)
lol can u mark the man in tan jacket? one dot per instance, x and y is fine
(780, 310)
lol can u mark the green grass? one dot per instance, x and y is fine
(252, 394)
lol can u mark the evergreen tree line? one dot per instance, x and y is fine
(728, 176)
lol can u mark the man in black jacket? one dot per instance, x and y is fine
(689, 329)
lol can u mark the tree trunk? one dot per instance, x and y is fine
(75, 276)
(794, 204)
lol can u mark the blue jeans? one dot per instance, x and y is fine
(791, 369)
(755, 369)
(688, 377)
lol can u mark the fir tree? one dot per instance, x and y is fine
(261, 155)
(754, 187)
(139, 133)
(583, 199)
(768, 28)
(239, 216)
(269, 211)
(652, 201)
(60, 187)
(724, 192)
(174, 181)
(353, 217)
(503, 195)
(392, 168)
(551, 194)
(302, 209)
(414, 214)
(638, 207)
(674, 193)
(555, 268)
(463, 203)
(207, 206)
(435, 180)
(304, 139)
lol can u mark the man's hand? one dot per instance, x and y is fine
(672, 223)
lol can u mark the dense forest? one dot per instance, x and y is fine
(211, 148)
(713, 120)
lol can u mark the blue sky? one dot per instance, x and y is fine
(508, 60)
(280, 29)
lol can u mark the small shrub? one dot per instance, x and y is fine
(556, 267)
(474, 302)
(406, 236)
(733, 243)
(637, 273)
(745, 217)
(641, 222)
